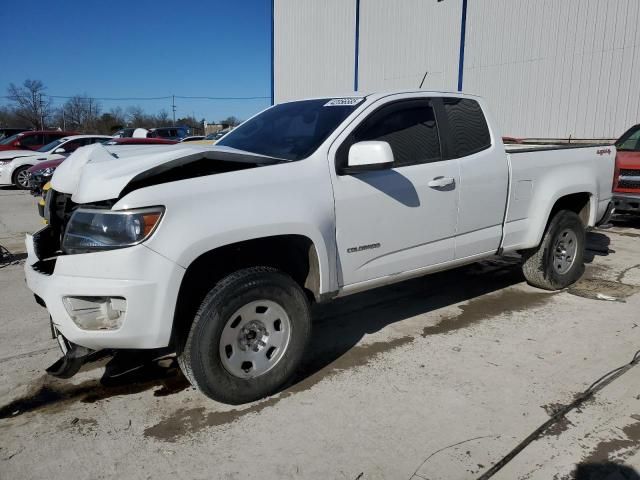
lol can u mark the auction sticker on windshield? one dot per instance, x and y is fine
(343, 102)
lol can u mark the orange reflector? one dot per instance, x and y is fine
(150, 220)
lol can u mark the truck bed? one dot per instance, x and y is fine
(539, 174)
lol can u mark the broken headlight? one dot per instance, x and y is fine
(92, 230)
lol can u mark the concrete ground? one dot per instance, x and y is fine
(436, 378)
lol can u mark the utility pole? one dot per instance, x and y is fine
(89, 118)
(41, 111)
(64, 123)
(173, 108)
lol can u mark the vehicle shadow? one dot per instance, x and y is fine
(605, 471)
(340, 325)
(626, 221)
(9, 188)
(597, 245)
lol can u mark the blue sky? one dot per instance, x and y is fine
(143, 49)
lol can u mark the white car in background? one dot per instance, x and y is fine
(15, 163)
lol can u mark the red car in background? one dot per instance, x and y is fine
(32, 140)
(626, 182)
(41, 173)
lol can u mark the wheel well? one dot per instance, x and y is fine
(293, 254)
(580, 203)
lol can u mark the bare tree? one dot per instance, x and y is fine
(81, 113)
(162, 119)
(137, 118)
(8, 118)
(118, 115)
(30, 102)
(231, 121)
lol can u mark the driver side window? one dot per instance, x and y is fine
(408, 126)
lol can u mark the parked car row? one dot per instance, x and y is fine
(210, 139)
(28, 158)
(40, 173)
(32, 140)
(15, 163)
(168, 133)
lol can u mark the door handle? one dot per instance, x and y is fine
(440, 182)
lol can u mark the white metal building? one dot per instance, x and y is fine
(548, 68)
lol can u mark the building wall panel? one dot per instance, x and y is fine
(314, 48)
(556, 68)
(548, 68)
(399, 41)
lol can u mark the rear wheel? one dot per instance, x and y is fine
(248, 336)
(21, 177)
(559, 259)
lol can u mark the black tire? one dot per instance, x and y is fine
(541, 267)
(17, 176)
(200, 358)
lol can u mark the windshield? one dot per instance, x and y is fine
(630, 140)
(50, 146)
(291, 131)
(10, 139)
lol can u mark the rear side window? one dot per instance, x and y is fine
(468, 127)
(31, 140)
(409, 127)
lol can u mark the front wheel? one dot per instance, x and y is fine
(248, 336)
(21, 177)
(559, 259)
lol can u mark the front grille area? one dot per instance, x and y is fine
(628, 184)
(45, 267)
(629, 172)
(46, 243)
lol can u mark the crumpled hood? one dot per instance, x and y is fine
(96, 173)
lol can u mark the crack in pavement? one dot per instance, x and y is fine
(579, 399)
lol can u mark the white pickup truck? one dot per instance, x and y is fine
(218, 252)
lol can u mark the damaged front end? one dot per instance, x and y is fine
(47, 246)
(120, 362)
(73, 357)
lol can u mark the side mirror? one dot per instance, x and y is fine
(368, 156)
(59, 150)
(17, 144)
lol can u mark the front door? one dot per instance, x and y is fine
(403, 218)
